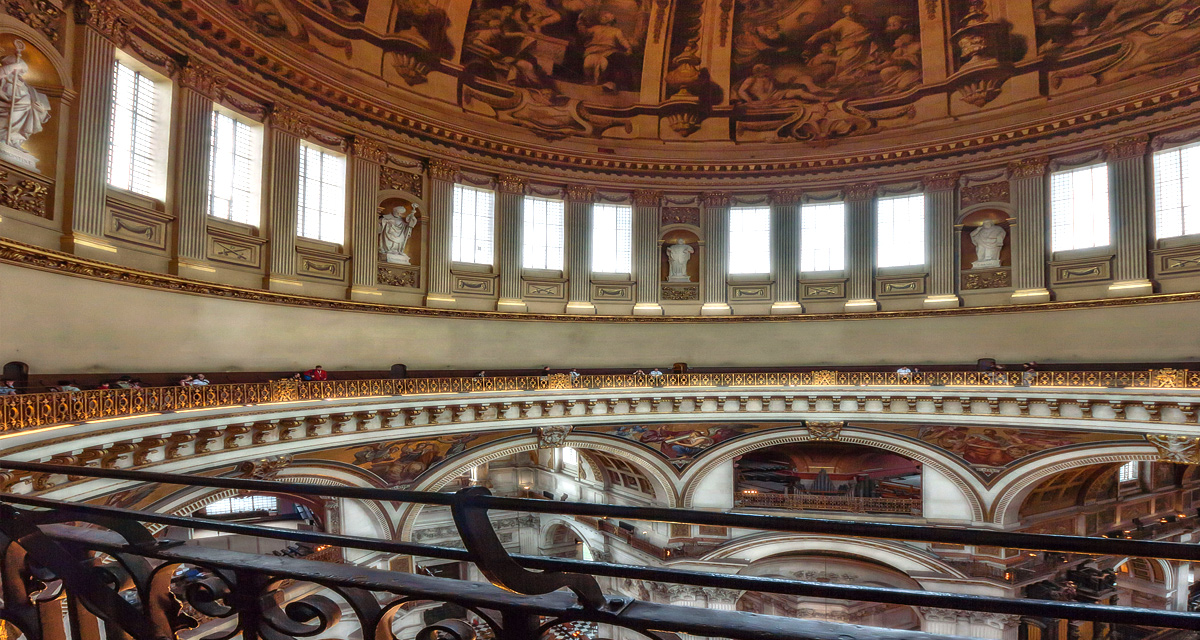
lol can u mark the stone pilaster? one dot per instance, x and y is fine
(860, 248)
(199, 86)
(509, 203)
(940, 621)
(1027, 180)
(579, 249)
(646, 264)
(716, 254)
(366, 158)
(785, 247)
(286, 128)
(941, 208)
(441, 210)
(1128, 177)
(95, 56)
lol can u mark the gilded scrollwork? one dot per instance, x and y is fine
(25, 195)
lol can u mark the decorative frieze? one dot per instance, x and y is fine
(1028, 168)
(612, 291)
(749, 292)
(1089, 270)
(647, 198)
(397, 276)
(942, 181)
(315, 263)
(478, 285)
(1127, 147)
(545, 289)
(859, 192)
(136, 224)
(680, 292)
(368, 150)
(785, 197)
(981, 193)
(290, 120)
(24, 193)
(825, 289)
(580, 193)
(997, 279)
(233, 248)
(203, 79)
(1178, 260)
(442, 170)
(716, 198)
(511, 184)
(679, 215)
(901, 286)
(831, 430)
(397, 180)
(42, 15)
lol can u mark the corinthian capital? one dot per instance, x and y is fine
(369, 150)
(511, 184)
(285, 118)
(203, 79)
(1127, 147)
(647, 198)
(442, 170)
(106, 17)
(716, 198)
(945, 181)
(863, 191)
(580, 193)
(1028, 168)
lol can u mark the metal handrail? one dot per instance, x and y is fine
(29, 411)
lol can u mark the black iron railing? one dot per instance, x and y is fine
(41, 550)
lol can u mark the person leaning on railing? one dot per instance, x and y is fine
(8, 388)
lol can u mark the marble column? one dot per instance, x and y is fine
(860, 248)
(286, 128)
(366, 158)
(441, 209)
(785, 250)
(1027, 184)
(647, 267)
(579, 249)
(95, 50)
(1130, 211)
(199, 86)
(509, 203)
(940, 212)
(715, 265)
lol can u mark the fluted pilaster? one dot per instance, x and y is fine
(860, 249)
(1028, 189)
(366, 158)
(579, 249)
(283, 168)
(1128, 177)
(509, 203)
(441, 205)
(646, 267)
(96, 57)
(785, 249)
(941, 208)
(716, 254)
(199, 85)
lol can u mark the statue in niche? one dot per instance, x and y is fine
(678, 257)
(988, 240)
(23, 109)
(395, 228)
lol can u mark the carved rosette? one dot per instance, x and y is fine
(290, 120)
(1028, 168)
(580, 193)
(785, 197)
(716, 199)
(442, 170)
(203, 79)
(945, 181)
(106, 17)
(369, 150)
(647, 198)
(511, 184)
(1127, 147)
(862, 191)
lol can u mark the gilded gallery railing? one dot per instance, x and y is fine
(850, 504)
(33, 410)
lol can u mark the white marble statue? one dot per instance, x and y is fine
(678, 256)
(989, 240)
(395, 228)
(23, 109)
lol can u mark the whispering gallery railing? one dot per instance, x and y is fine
(108, 566)
(849, 504)
(42, 409)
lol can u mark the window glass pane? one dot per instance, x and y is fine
(1128, 472)
(901, 231)
(823, 237)
(750, 240)
(1177, 191)
(133, 133)
(474, 211)
(612, 238)
(242, 504)
(1079, 208)
(542, 234)
(322, 206)
(233, 170)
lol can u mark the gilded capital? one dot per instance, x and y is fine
(862, 191)
(785, 197)
(442, 170)
(580, 193)
(647, 198)
(105, 17)
(945, 181)
(203, 79)
(290, 120)
(511, 184)
(369, 150)
(1028, 168)
(716, 198)
(1127, 147)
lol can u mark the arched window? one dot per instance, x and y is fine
(242, 504)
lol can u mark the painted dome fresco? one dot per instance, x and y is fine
(789, 83)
